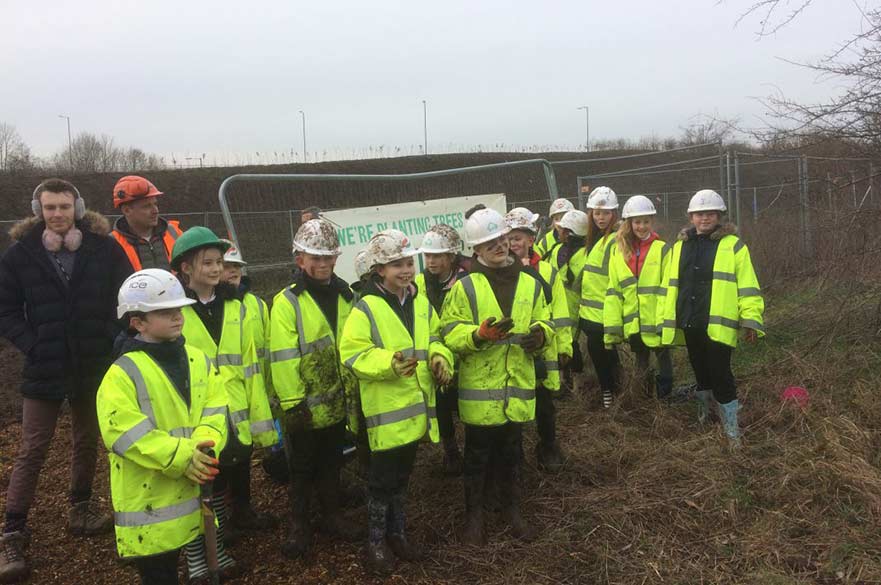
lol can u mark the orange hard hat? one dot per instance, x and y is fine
(131, 188)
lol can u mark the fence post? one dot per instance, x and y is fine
(829, 189)
(728, 182)
(291, 222)
(871, 182)
(666, 197)
(853, 187)
(755, 205)
(737, 188)
(806, 211)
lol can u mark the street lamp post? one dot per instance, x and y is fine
(586, 127)
(69, 141)
(303, 116)
(424, 127)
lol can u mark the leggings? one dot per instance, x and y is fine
(605, 361)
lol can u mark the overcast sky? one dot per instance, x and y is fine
(188, 77)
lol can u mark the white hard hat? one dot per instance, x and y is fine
(576, 221)
(521, 218)
(318, 237)
(485, 225)
(637, 206)
(151, 289)
(602, 198)
(706, 200)
(363, 262)
(441, 239)
(560, 206)
(388, 246)
(232, 254)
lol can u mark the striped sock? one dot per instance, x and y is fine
(197, 562)
(218, 501)
(607, 398)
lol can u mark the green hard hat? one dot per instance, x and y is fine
(194, 239)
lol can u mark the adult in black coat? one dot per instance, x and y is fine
(58, 290)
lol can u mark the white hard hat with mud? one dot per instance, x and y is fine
(602, 198)
(706, 200)
(560, 206)
(317, 237)
(485, 225)
(638, 206)
(521, 218)
(575, 221)
(389, 246)
(440, 239)
(151, 289)
(363, 263)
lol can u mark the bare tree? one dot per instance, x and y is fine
(853, 114)
(706, 130)
(14, 153)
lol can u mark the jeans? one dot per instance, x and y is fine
(39, 420)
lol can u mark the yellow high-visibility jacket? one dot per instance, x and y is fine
(151, 434)
(259, 312)
(735, 299)
(397, 410)
(563, 325)
(636, 306)
(595, 282)
(546, 243)
(496, 380)
(236, 358)
(305, 354)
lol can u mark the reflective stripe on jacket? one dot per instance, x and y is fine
(547, 241)
(496, 379)
(735, 301)
(172, 233)
(397, 411)
(151, 435)
(596, 279)
(304, 353)
(563, 325)
(636, 306)
(236, 359)
(258, 312)
(573, 275)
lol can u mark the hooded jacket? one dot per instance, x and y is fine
(66, 332)
(696, 274)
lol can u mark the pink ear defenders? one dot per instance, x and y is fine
(79, 204)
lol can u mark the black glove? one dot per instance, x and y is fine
(533, 340)
(298, 419)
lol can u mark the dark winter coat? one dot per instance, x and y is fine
(65, 331)
(696, 275)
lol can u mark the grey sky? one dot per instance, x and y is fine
(229, 77)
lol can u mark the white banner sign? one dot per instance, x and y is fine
(356, 226)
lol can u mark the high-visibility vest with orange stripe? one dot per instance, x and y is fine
(172, 233)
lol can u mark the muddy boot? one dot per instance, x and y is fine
(397, 530)
(703, 405)
(14, 566)
(86, 519)
(512, 496)
(492, 502)
(663, 387)
(333, 523)
(728, 413)
(452, 458)
(299, 537)
(473, 533)
(549, 457)
(380, 559)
